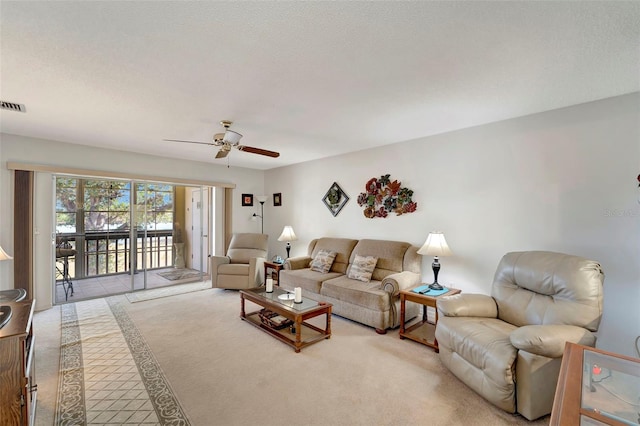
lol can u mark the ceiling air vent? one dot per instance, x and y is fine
(12, 107)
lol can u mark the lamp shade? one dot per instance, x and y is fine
(261, 198)
(287, 234)
(232, 137)
(4, 255)
(436, 245)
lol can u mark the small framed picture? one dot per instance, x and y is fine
(247, 200)
(277, 199)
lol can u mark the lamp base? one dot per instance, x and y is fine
(436, 268)
(435, 286)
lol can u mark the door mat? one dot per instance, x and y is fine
(180, 274)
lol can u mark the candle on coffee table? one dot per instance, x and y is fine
(298, 295)
(269, 285)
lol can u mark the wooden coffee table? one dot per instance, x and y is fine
(301, 334)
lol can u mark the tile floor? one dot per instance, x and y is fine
(91, 288)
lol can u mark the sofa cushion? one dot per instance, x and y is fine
(393, 256)
(342, 246)
(307, 279)
(362, 268)
(368, 295)
(234, 269)
(323, 261)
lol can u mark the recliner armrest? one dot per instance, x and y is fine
(549, 340)
(393, 283)
(300, 262)
(467, 305)
(256, 270)
(216, 261)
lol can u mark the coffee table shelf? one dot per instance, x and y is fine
(305, 333)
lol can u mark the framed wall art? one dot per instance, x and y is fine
(335, 199)
(277, 199)
(247, 200)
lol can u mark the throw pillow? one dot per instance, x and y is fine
(362, 268)
(323, 261)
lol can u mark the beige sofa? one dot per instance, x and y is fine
(508, 346)
(375, 303)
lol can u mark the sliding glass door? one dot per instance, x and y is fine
(153, 235)
(92, 226)
(115, 236)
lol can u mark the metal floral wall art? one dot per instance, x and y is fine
(382, 196)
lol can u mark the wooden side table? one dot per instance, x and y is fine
(423, 331)
(276, 267)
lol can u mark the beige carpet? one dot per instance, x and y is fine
(223, 371)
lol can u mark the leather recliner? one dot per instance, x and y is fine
(508, 346)
(243, 266)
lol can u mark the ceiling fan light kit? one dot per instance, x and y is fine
(230, 139)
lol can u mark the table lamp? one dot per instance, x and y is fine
(435, 246)
(288, 235)
(4, 255)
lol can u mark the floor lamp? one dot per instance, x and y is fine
(261, 199)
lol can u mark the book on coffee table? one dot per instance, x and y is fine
(274, 320)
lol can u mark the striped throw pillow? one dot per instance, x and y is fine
(323, 261)
(362, 268)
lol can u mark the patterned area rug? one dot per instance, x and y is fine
(156, 293)
(108, 374)
(180, 274)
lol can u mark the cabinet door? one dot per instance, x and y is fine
(30, 389)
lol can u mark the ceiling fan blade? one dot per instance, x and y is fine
(222, 153)
(258, 151)
(200, 143)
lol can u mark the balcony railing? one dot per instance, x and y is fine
(107, 253)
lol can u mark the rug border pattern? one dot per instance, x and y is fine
(166, 405)
(70, 407)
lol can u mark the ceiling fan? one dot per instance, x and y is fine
(230, 139)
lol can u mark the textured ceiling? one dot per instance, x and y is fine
(307, 79)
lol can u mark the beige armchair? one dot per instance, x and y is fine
(243, 266)
(508, 346)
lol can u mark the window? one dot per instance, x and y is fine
(93, 216)
(66, 207)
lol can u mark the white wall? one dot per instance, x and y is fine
(563, 180)
(38, 151)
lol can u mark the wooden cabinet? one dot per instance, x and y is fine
(17, 366)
